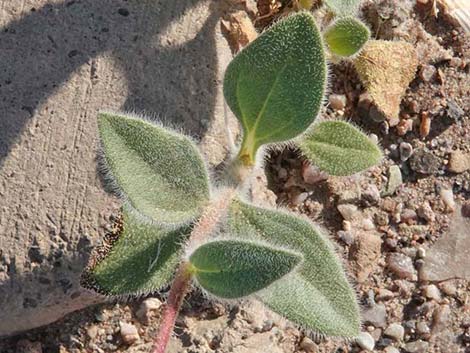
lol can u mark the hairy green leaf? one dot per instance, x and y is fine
(160, 172)
(343, 8)
(137, 259)
(346, 36)
(234, 268)
(275, 86)
(339, 148)
(316, 295)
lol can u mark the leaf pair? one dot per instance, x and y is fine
(316, 294)
(284, 262)
(275, 87)
(163, 179)
(277, 257)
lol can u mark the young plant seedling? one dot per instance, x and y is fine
(177, 223)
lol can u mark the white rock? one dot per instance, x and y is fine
(129, 332)
(395, 331)
(365, 341)
(146, 308)
(421, 253)
(432, 292)
(422, 328)
(92, 332)
(349, 212)
(448, 197)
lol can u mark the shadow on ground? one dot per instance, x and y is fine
(40, 51)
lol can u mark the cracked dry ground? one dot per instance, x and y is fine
(402, 227)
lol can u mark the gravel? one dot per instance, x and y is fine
(401, 265)
(395, 331)
(366, 341)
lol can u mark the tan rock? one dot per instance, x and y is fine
(459, 162)
(129, 333)
(386, 68)
(364, 254)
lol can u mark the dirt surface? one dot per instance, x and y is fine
(392, 224)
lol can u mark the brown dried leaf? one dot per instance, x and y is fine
(386, 69)
(239, 30)
(267, 9)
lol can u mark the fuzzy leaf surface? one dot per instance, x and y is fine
(234, 269)
(160, 172)
(339, 148)
(316, 295)
(343, 8)
(346, 36)
(275, 85)
(140, 259)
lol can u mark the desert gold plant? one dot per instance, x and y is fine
(178, 227)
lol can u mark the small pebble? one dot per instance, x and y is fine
(441, 318)
(129, 333)
(406, 150)
(366, 341)
(408, 216)
(416, 347)
(394, 179)
(424, 162)
(395, 331)
(349, 212)
(282, 173)
(422, 328)
(459, 162)
(312, 174)
(425, 211)
(123, 12)
(447, 196)
(427, 73)
(370, 196)
(337, 101)
(421, 253)
(425, 125)
(92, 332)
(346, 236)
(375, 314)
(401, 265)
(448, 288)
(384, 294)
(432, 292)
(148, 306)
(308, 345)
(405, 126)
(454, 111)
(298, 199)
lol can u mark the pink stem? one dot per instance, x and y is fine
(180, 285)
(178, 291)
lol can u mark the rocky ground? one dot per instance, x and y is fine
(402, 227)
